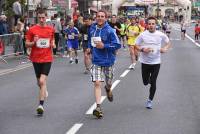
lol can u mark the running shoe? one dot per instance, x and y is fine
(132, 66)
(86, 71)
(76, 61)
(98, 112)
(109, 94)
(40, 110)
(149, 104)
(71, 61)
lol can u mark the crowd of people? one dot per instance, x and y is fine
(100, 38)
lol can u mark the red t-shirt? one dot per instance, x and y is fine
(42, 50)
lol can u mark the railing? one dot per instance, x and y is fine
(10, 44)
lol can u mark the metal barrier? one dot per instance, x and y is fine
(10, 44)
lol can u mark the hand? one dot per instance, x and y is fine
(36, 38)
(147, 50)
(88, 50)
(163, 50)
(99, 44)
(54, 45)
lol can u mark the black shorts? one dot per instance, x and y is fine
(183, 31)
(42, 68)
(85, 45)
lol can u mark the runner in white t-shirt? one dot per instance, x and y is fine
(150, 44)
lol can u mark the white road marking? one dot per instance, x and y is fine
(115, 84)
(14, 70)
(102, 98)
(125, 73)
(190, 38)
(197, 44)
(74, 128)
(90, 111)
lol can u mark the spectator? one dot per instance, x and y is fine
(17, 10)
(196, 30)
(3, 25)
(57, 27)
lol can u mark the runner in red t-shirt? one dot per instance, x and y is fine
(196, 30)
(40, 38)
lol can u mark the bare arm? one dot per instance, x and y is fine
(29, 43)
(165, 48)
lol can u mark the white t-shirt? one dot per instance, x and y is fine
(151, 40)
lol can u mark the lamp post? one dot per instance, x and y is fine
(97, 5)
(27, 9)
(0, 6)
(158, 8)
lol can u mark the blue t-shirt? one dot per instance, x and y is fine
(72, 33)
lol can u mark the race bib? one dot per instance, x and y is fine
(131, 33)
(154, 49)
(95, 39)
(71, 37)
(85, 37)
(43, 43)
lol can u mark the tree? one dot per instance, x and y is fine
(8, 7)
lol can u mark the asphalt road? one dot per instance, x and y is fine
(176, 108)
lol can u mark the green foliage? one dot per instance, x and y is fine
(8, 6)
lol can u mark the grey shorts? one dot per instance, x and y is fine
(98, 73)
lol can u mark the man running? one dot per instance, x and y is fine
(150, 45)
(84, 31)
(103, 44)
(133, 30)
(72, 34)
(40, 38)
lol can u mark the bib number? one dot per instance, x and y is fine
(71, 37)
(85, 37)
(43, 43)
(94, 40)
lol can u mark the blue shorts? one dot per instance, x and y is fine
(72, 44)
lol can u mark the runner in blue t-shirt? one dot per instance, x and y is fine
(72, 35)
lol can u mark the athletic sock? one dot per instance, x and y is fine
(98, 105)
(42, 102)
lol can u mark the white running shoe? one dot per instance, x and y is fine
(40, 110)
(132, 66)
(149, 104)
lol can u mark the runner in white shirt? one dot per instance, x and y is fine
(150, 44)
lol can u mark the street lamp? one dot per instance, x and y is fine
(158, 4)
(97, 5)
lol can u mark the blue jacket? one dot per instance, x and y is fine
(107, 55)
